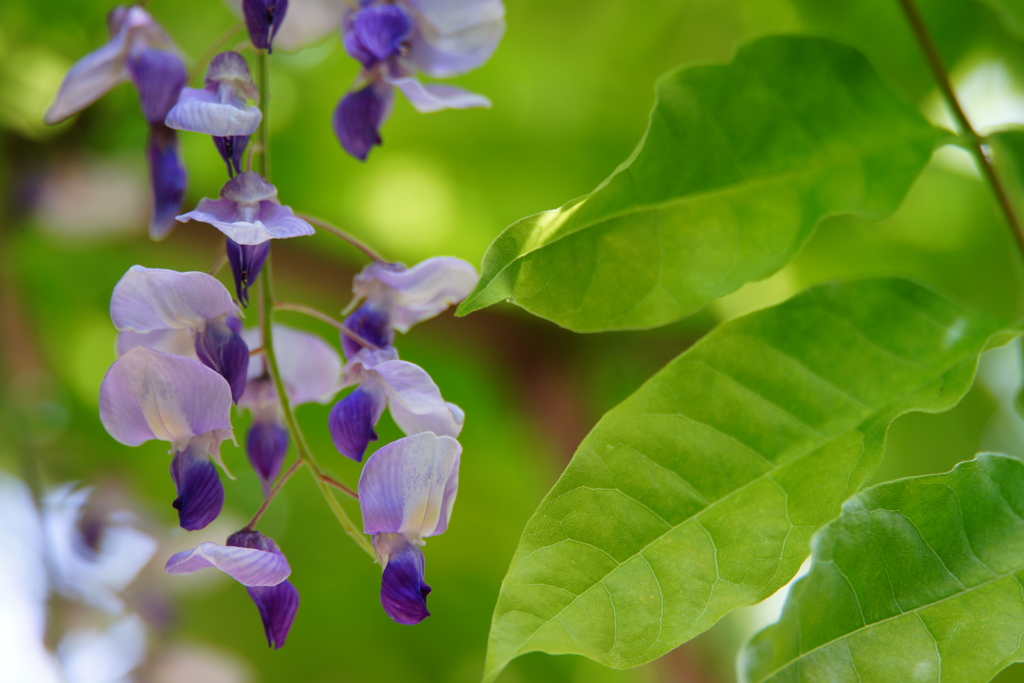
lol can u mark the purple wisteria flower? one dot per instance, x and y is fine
(249, 214)
(392, 297)
(311, 372)
(139, 51)
(220, 108)
(255, 561)
(395, 39)
(149, 394)
(263, 18)
(384, 381)
(406, 494)
(155, 301)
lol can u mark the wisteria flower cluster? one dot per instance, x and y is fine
(185, 356)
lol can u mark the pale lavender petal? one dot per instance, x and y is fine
(147, 395)
(200, 491)
(404, 487)
(423, 291)
(272, 222)
(176, 341)
(248, 188)
(278, 606)
(89, 79)
(455, 36)
(353, 419)
(415, 401)
(403, 591)
(310, 367)
(431, 98)
(201, 111)
(230, 70)
(249, 566)
(149, 299)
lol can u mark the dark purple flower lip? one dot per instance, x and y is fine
(359, 116)
(266, 445)
(246, 263)
(231, 148)
(352, 421)
(200, 491)
(222, 349)
(168, 179)
(263, 18)
(403, 592)
(278, 606)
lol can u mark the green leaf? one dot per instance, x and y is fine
(700, 492)
(919, 580)
(1011, 12)
(739, 164)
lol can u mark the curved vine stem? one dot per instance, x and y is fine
(323, 317)
(964, 127)
(338, 232)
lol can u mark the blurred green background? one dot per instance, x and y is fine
(572, 83)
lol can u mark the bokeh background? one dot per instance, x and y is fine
(572, 84)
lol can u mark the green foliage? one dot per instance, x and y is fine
(1011, 12)
(919, 579)
(739, 164)
(700, 492)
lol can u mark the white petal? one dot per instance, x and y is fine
(200, 111)
(431, 98)
(421, 292)
(455, 36)
(414, 400)
(92, 77)
(176, 341)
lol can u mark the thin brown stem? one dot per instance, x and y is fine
(361, 246)
(274, 491)
(966, 130)
(253, 352)
(212, 51)
(313, 313)
(220, 261)
(338, 485)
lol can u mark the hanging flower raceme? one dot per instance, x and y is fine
(165, 305)
(406, 493)
(141, 52)
(395, 39)
(310, 370)
(250, 215)
(255, 561)
(220, 108)
(392, 297)
(149, 394)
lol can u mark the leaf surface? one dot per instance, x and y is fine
(919, 580)
(700, 492)
(739, 164)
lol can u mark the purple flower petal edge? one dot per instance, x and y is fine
(277, 606)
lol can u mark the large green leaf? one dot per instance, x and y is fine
(1011, 12)
(739, 164)
(700, 492)
(919, 580)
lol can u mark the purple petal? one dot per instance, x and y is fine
(428, 99)
(249, 566)
(415, 401)
(381, 29)
(246, 263)
(355, 49)
(231, 149)
(230, 69)
(248, 188)
(202, 111)
(455, 36)
(147, 395)
(406, 486)
(263, 18)
(372, 323)
(149, 299)
(200, 492)
(159, 77)
(359, 116)
(420, 292)
(221, 349)
(278, 606)
(266, 445)
(352, 421)
(403, 592)
(167, 177)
